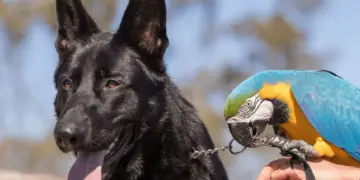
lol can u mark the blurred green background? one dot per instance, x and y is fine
(214, 45)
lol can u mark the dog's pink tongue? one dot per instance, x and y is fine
(87, 166)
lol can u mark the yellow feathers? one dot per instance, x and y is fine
(299, 128)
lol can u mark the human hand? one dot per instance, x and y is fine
(323, 170)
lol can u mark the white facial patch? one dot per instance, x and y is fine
(254, 109)
(264, 111)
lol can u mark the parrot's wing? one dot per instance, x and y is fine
(332, 105)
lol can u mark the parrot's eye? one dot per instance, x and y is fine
(248, 103)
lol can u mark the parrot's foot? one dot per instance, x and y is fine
(302, 148)
(298, 150)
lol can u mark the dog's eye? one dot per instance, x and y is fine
(66, 84)
(111, 84)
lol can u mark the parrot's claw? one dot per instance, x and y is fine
(284, 153)
(298, 153)
(300, 147)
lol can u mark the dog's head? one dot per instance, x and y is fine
(106, 79)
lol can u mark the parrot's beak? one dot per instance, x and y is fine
(245, 130)
(242, 133)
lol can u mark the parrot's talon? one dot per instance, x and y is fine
(290, 147)
(299, 154)
(284, 153)
(301, 148)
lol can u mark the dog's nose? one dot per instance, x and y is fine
(69, 135)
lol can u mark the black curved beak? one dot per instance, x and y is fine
(246, 133)
(243, 133)
(247, 130)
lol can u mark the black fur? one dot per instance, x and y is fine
(115, 86)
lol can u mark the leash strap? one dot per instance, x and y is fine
(309, 174)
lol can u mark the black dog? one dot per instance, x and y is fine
(116, 106)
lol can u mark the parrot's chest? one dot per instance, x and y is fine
(297, 127)
(296, 133)
(301, 129)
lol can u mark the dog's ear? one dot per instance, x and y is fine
(143, 28)
(74, 25)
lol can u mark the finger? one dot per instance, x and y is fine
(268, 169)
(278, 163)
(285, 164)
(279, 175)
(295, 173)
(265, 173)
(284, 174)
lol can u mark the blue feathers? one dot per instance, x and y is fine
(255, 82)
(331, 104)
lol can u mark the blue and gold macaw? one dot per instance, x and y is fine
(316, 108)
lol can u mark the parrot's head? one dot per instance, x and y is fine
(251, 107)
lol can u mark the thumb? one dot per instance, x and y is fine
(285, 174)
(270, 168)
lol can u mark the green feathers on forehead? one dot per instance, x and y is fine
(241, 93)
(251, 86)
(233, 103)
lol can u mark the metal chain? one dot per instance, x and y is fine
(268, 141)
(196, 154)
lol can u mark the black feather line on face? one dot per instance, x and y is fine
(280, 114)
(276, 129)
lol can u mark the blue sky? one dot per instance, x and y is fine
(335, 28)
